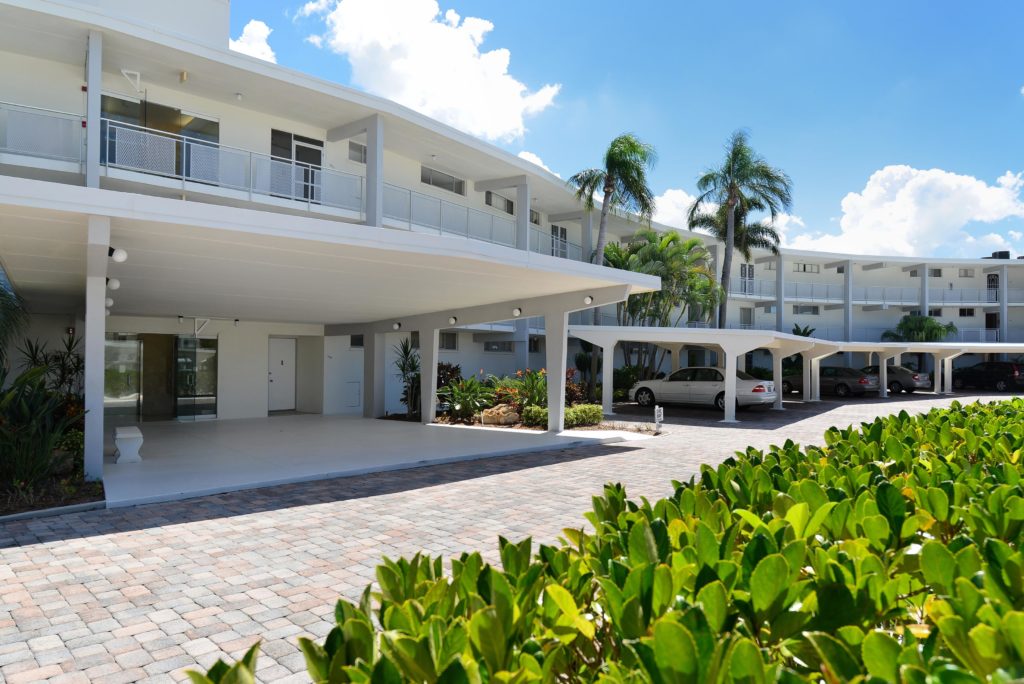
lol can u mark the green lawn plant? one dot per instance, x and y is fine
(891, 553)
(466, 398)
(579, 415)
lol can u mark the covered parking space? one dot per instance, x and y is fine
(730, 344)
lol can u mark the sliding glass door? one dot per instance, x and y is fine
(195, 377)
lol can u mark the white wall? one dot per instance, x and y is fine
(343, 376)
(204, 21)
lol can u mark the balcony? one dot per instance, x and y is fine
(51, 139)
(411, 210)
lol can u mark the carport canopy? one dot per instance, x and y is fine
(734, 343)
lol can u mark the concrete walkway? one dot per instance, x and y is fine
(140, 593)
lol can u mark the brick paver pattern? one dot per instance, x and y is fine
(139, 594)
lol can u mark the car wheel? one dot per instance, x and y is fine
(910, 390)
(1001, 386)
(895, 387)
(786, 387)
(842, 390)
(958, 383)
(720, 401)
(645, 397)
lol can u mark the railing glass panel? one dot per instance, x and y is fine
(43, 133)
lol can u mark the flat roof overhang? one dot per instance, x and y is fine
(195, 259)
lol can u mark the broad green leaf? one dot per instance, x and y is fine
(642, 547)
(745, 663)
(317, 663)
(714, 599)
(835, 656)
(938, 566)
(797, 516)
(769, 581)
(675, 652)
(488, 638)
(881, 656)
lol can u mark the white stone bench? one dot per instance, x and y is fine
(127, 442)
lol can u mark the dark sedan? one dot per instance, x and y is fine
(1001, 376)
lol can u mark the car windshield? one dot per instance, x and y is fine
(848, 372)
(870, 369)
(744, 376)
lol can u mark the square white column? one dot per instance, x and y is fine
(777, 377)
(555, 346)
(607, 379)
(95, 341)
(429, 340)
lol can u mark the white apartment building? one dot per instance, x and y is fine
(282, 233)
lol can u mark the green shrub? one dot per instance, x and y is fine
(890, 554)
(761, 373)
(466, 398)
(625, 377)
(575, 416)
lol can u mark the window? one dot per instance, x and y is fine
(502, 347)
(493, 199)
(806, 268)
(681, 375)
(914, 312)
(806, 309)
(535, 217)
(966, 313)
(356, 152)
(706, 375)
(769, 309)
(414, 339)
(935, 272)
(770, 266)
(840, 269)
(966, 272)
(448, 341)
(534, 345)
(559, 242)
(442, 180)
(356, 342)
(913, 273)
(935, 313)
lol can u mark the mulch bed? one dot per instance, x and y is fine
(51, 496)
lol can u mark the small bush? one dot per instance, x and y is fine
(575, 416)
(466, 398)
(624, 378)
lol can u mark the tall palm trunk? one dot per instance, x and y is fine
(598, 258)
(730, 238)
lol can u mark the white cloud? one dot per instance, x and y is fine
(786, 225)
(1022, 90)
(672, 206)
(907, 211)
(1015, 235)
(253, 41)
(406, 51)
(315, 40)
(534, 159)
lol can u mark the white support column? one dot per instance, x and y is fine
(555, 343)
(925, 304)
(947, 375)
(94, 91)
(375, 171)
(607, 379)
(373, 375)
(780, 294)
(1004, 304)
(730, 387)
(848, 300)
(816, 379)
(523, 216)
(883, 376)
(777, 377)
(95, 340)
(587, 225)
(808, 389)
(428, 374)
(937, 380)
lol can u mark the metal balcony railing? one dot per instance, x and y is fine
(416, 210)
(740, 287)
(145, 150)
(41, 133)
(546, 243)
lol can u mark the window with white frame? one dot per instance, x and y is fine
(770, 265)
(504, 347)
(535, 217)
(806, 309)
(913, 273)
(356, 342)
(935, 312)
(935, 272)
(806, 268)
(967, 313)
(966, 272)
(356, 152)
(493, 199)
(440, 179)
(414, 339)
(559, 242)
(448, 341)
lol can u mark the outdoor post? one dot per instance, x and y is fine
(808, 390)
(93, 110)
(816, 378)
(780, 293)
(375, 171)
(883, 375)
(937, 382)
(523, 216)
(848, 300)
(730, 386)
(607, 378)
(429, 339)
(555, 343)
(1004, 305)
(777, 377)
(587, 242)
(373, 374)
(97, 254)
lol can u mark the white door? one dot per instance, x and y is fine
(281, 374)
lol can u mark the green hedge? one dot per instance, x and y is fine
(575, 416)
(891, 553)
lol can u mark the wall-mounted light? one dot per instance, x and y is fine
(107, 312)
(113, 283)
(517, 312)
(238, 96)
(236, 322)
(70, 331)
(109, 302)
(183, 76)
(181, 319)
(452, 320)
(588, 300)
(396, 326)
(118, 255)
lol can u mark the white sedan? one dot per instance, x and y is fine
(703, 385)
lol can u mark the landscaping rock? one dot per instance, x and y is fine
(502, 414)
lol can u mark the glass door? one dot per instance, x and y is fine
(308, 161)
(195, 377)
(122, 376)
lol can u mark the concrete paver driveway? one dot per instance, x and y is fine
(141, 593)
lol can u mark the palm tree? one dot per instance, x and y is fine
(803, 330)
(919, 329)
(747, 236)
(744, 182)
(13, 319)
(622, 182)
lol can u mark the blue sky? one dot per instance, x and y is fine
(898, 122)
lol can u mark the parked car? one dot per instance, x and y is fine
(836, 380)
(998, 375)
(703, 385)
(902, 379)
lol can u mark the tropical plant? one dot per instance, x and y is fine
(621, 181)
(13, 320)
(242, 672)
(746, 236)
(408, 365)
(913, 328)
(526, 388)
(744, 182)
(65, 367)
(890, 554)
(803, 330)
(33, 422)
(580, 415)
(466, 398)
